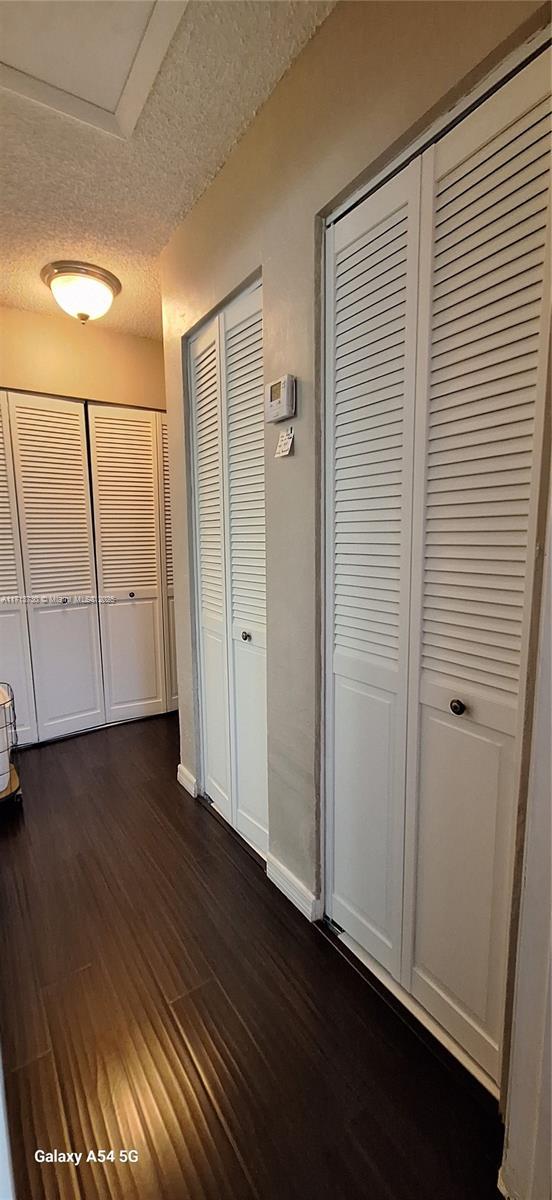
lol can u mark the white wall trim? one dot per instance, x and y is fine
(186, 779)
(307, 903)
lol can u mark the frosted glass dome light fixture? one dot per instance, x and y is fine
(82, 290)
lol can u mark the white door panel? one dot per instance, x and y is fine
(216, 734)
(124, 459)
(67, 667)
(362, 901)
(484, 315)
(251, 737)
(51, 468)
(245, 534)
(167, 565)
(15, 668)
(132, 653)
(463, 871)
(372, 296)
(210, 571)
(15, 653)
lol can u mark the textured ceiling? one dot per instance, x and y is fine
(70, 191)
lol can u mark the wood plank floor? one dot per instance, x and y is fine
(157, 993)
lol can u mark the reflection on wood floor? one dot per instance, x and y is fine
(157, 993)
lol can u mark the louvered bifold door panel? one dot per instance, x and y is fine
(53, 492)
(243, 409)
(15, 654)
(167, 568)
(123, 445)
(372, 290)
(205, 391)
(482, 386)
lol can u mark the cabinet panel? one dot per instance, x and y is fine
(51, 470)
(126, 508)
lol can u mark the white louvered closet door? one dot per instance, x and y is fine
(167, 573)
(372, 287)
(243, 455)
(51, 471)
(210, 566)
(484, 322)
(123, 447)
(15, 653)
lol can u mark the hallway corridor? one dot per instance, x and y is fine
(158, 994)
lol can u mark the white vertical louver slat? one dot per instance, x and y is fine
(126, 499)
(243, 449)
(245, 424)
(51, 467)
(372, 287)
(205, 389)
(126, 507)
(481, 399)
(55, 504)
(10, 580)
(167, 572)
(167, 519)
(15, 657)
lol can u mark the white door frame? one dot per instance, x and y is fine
(500, 75)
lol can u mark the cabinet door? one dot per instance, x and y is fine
(51, 470)
(210, 565)
(126, 509)
(243, 452)
(167, 573)
(15, 653)
(372, 291)
(484, 319)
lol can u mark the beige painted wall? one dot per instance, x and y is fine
(58, 356)
(371, 73)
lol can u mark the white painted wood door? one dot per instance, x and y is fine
(167, 572)
(208, 488)
(371, 295)
(15, 651)
(484, 326)
(241, 340)
(123, 446)
(51, 471)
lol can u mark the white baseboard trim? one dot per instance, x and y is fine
(307, 903)
(186, 779)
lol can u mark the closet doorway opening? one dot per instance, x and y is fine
(437, 327)
(226, 389)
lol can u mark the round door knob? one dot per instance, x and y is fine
(64, 600)
(246, 637)
(132, 595)
(457, 707)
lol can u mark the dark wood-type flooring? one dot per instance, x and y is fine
(157, 993)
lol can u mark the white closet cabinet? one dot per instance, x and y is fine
(167, 569)
(227, 394)
(15, 653)
(455, 605)
(123, 447)
(51, 472)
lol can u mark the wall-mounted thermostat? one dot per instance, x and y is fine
(280, 399)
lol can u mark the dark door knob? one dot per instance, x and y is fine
(457, 707)
(132, 595)
(246, 637)
(64, 600)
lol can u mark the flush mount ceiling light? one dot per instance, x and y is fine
(82, 290)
